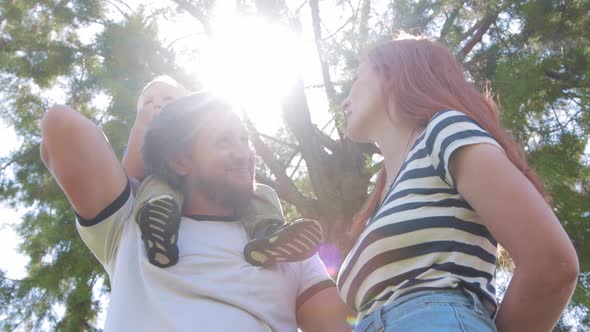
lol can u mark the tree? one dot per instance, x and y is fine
(532, 53)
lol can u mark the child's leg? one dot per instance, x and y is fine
(274, 240)
(264, 209)
(158, 213)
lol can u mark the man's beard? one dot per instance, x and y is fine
(230, 197)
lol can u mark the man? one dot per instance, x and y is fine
(200, 146)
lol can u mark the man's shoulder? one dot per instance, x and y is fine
(103, 233)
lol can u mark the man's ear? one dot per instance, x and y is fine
(181, 165)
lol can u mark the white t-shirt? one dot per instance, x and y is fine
(212, 288)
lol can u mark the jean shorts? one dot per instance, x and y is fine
(426, 311)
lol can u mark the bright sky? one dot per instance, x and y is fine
(12, 262)
(250, 62)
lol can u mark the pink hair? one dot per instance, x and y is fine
(423, 77)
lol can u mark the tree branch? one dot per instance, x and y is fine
(118, 9)
(290, 159)
(296, 168)
(298, 121)
(262, 178)
(370, 149)
(483, 27)
(196, 13)
(449, 23)
(20, 157)
(325, 140)
(315, 18)
(567, 80)
(126, 5)
(180, 38)
(350, 19)
(560, 125)
(284, 185)
(309, 209)
(287, 144)
(364, 23)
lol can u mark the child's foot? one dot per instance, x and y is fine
(290, 242)
(159, 219)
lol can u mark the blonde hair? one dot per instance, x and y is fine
(160, 79)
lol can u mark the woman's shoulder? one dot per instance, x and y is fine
(450, 120)
(451, 116)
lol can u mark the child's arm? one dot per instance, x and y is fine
(132, 159)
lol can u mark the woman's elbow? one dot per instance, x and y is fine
(551, 271)
(570, 269)
(564, 273)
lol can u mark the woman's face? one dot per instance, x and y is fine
(365, 105)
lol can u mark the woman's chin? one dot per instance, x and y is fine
(356, 135)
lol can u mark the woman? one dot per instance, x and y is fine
(454, 185)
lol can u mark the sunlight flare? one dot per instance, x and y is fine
(252, 63)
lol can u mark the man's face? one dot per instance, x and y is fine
(222, 161)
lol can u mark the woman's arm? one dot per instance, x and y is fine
(520, 219)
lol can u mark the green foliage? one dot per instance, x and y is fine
(534, 54)
(62, 272)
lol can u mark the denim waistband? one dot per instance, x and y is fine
(406, 302)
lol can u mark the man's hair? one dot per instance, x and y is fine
(160, 79)
(173, 132)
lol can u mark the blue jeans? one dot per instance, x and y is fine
(425, 311)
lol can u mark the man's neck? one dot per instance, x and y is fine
(198, 204)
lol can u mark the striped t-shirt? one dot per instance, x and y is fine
(424, 235)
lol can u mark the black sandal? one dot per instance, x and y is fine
(159, 220)
(289, 242)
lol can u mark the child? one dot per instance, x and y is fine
(158, 210)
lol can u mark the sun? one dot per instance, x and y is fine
(253, 64)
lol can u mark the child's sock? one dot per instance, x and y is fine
(276, 241)
(159, 220)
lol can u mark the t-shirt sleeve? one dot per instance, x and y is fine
(102, 233)
(448, 131)
(314, 278)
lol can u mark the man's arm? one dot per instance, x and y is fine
(324, 312)
(81, 160)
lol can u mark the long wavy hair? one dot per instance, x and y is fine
(422, 77)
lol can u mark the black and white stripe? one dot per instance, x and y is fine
(424, 235)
